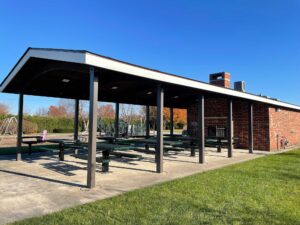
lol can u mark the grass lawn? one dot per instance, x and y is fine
(35, 148)
(262, 191)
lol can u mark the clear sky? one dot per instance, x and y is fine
(256, 41)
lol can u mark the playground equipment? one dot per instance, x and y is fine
(125, 129)
(9, 126)
(107, 129)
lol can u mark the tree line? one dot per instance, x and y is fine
(59, 118)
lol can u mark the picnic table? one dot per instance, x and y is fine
(149, 141)
(186, 142)
(169, 145)
(217, 142)
(192, 142)
(31, 140)
(106, 149)
(62, 143)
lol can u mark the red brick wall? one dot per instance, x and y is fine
(222, 83)
(216, 113)
(260, 125)
(240, 123)
(285, 124)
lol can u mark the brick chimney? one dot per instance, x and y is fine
(220, 79)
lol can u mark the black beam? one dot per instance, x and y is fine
(117, 120)
(229, 128)
(201, 128)
(76, 119)
(250, 127)
(20, 128)
(147, 121)
(171, 121)
(159, 122)
(92, 129)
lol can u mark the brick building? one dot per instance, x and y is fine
(274, 127)
(253, 122)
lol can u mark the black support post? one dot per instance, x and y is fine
(20, 128)
(159, 121)
(171, 121)
(147, 121)
(76, 119)
(250, 127)
(117, 120)
(229, 128)
(92, 129)
(201, 128)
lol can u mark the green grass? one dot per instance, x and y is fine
(35, 148)
(262, 191)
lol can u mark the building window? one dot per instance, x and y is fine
(216, 131)
(221, 132)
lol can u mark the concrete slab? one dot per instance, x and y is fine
(41, 184)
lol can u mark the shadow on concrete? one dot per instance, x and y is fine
(62, 168)
(42, 178)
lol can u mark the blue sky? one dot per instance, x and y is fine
(256, 41)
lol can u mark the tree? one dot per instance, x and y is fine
(127, 113)
(179, 116)
(41, 112)
(57, 111)
(83, 111)
(142, 114)
(4, 109)
(106, 111)
(152, 116)
(83, 115)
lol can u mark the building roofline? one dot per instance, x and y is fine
(93, 59)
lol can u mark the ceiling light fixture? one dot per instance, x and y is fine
(114, 88)
(149, 92)
(65, 80)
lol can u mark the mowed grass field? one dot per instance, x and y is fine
(262, 191)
